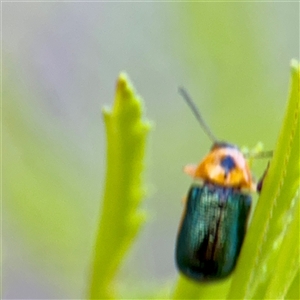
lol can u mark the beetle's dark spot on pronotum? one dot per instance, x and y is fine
(227, 164)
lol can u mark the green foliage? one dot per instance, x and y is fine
(270, 258)
(268, 267)
(187, 289)
(120, 217)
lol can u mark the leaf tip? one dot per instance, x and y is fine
(124, 87)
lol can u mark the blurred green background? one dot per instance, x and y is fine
(59, 67)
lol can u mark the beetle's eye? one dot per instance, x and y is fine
(227, 162)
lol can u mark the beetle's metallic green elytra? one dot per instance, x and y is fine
(212, 231)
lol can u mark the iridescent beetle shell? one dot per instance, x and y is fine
(214, 222)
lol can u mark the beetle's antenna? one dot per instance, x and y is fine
(197, 114)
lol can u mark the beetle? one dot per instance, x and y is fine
(217, 207)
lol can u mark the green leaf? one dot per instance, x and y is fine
(294, 291)
(269, 262)
(120, 217)
(188, 289)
